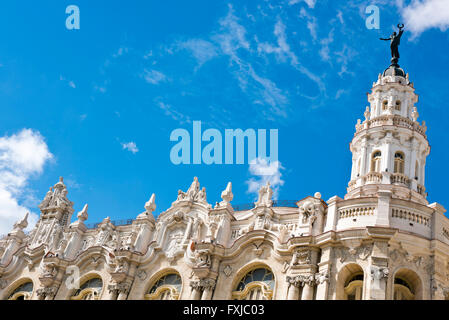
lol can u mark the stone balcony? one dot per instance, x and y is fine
(392, 120)
(400, 179)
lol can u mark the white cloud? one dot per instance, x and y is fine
(422, 15)
(265, 171)
(130, 146)
(202, 50)
(312, 24)
(121, 51)
(310, 3)
(171, 112)
(154, 77)
(22, 156)
(69, 82)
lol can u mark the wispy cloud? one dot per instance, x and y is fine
(154, 76)
(200, 49)
(120, 52)
(264, 171)
(70, 83)
(22, 156)
(130, 146)
(172, 113)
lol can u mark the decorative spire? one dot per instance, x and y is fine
(227, 194)
(82, 215)
(150, 206)
(22, 224)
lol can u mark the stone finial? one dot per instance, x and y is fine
(150, 206)
(227, 194)
(317, 195)
(82, 215)
(358, 125)
(22, 224)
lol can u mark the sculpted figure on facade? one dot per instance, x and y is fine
(301, 256)
(194, 193)
(265, 196)
(202, 258)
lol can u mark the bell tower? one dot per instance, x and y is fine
(390, 146)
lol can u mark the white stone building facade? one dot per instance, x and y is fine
(382, 241)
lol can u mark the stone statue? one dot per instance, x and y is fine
(395, 40)
(265, 194)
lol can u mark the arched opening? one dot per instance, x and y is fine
(22, 292)
(90, 289)
(399, 162)
(167, 287)
(359, 167)
(257, 284)
(407, 285)
(375, 161)
(384, 105)
(416, 170)
(350, 283)
(397, 106)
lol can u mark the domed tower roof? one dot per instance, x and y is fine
(394, 70)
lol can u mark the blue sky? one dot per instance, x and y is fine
(97, 105)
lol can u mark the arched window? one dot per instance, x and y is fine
(407, 285)
(402, 290)
(22, 292)
(397, 106)
(399, 162)
(359, 167)
(375, 161)
(416, 170)
(89, 290)
(385, 105)
(349, 284)
(354, 287)
(258, 284)
(167, 287)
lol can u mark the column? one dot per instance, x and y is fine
(208, 288)
(378, 285)
(307, 292)
(293, 288)
(196, 290)
(322, 282)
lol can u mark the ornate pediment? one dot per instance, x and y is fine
(193, 194)
(56, 200)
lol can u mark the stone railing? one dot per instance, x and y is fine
(116, 223)
(411, 216)
(400, 178)
(375, 177)
(392, 120)
(356, 211)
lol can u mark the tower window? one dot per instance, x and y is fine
(375, 161)
(399, 162)
(385, 105)
(416, 170)
(397, 107)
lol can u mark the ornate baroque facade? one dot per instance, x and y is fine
(382, 241)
